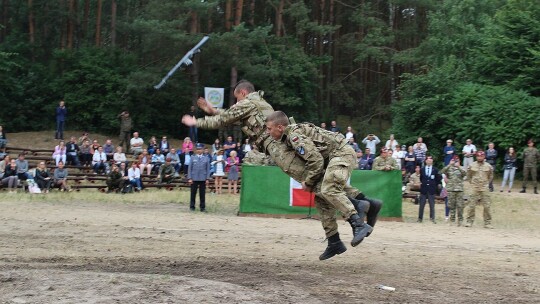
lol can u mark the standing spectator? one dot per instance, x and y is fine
(479, 173)
(449, 151)
(119, 157)
(43, 178)
(430, 179)
(60, 177)
(3, 139)
(152, 145)
(164, 145)
(367, 160)
(145, 162)
(125, 129)
(334, 127)
(60, 153)
(353, 145)
(22, 168)
(391, 144)
(134, 176)
(86, 153)
(175, 160)
(115, 180)
(531, 156)
(72, 152)
(198, 178)
(166, 172)
(454, 186)
(193, 129)
(99, 161)
(509, 169)
(323, 126)
(410, 160)
(384, 162)
(10, 176)
(399, 156)
(61, 113)
(136, 144)
(469, 150)
(219, 164)
(186, 160)
(420, 149)
(491, 158)
(187, 146)
(233, 164)
(350, 134)
(229, 145)
(216, 146)
(371, 142)
(108, 148)
(246, 147)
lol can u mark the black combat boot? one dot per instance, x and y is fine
(335, 246)
(523, 190)
(535, 191)
(360, 229)
(372, 211)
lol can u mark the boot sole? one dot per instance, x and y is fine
(340, 251)
(360, 237)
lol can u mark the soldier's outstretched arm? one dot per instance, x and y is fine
(233, 114)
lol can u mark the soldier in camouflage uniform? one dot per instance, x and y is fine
(125, 129)
(479, 174)
(384, 162)
(455, 174)
(329, 162)
(255, 158)
(531, 157)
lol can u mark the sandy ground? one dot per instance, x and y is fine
(96, 252)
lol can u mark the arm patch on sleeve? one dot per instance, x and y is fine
(300, 150)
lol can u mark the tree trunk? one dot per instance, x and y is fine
(71, 23)
(234, 80)
(391, 14)
(5, 14)
(194, 26)
(279, 18)
(252, 13)
(31, 25)
(238, 13)
(86, 14)
(98, 23)
(113, 23)
(63, 27)
(228, 14)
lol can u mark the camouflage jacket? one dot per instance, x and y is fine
(455, 177)
(381, 163)
(414, 179)
(315, 146)
(125, 124)
(255, 158)
(251, 112)
(531, 156)
(479, 175)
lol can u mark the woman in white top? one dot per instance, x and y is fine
(119, 157)
(391, 143)
(350, 133)
(219, 164)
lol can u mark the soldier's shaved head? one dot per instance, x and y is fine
(278, 118)
(244, 85)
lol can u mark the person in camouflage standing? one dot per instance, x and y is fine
(531, 156)
(125, 129)
(329, 162)
(384, 162)
(479, 173)
(454, 186)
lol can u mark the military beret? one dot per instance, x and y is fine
(455, 157)
(168, 159)
(530, 141)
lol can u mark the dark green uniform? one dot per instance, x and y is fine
(455, 175)
(166, 169)
(531, 156)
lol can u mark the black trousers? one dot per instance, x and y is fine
(431, 199)
(201, 185)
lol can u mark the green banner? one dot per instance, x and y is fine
(266, 190)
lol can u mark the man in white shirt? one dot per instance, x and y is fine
(99, 161)
(371, 142)
(136, 144)
(469, 151)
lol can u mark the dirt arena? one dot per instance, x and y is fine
(95, 251)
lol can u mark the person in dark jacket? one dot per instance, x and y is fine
(61, 113)
(491, 158)
(430, 179)
(198, 177)
(43, 178)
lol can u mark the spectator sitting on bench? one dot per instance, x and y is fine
(108, 148)
(43, 178)
(94, 146)
(10, 176)
(119, 157)
(152, 145)
(86, 154)
(115, 180)
(158, 159)
(414, 181)
(60, 177)
(145, 161)
(99, 161)
(136, 144)
(175, 160)
(166, 172)
(60, 152)
(3, 139)
(22, 168)
(3, 164)
(72, 152)
(134, 175)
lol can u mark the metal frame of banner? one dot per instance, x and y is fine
(309, 216)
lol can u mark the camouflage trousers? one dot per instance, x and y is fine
(532, 172)
(479, 197)
(455, 203)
